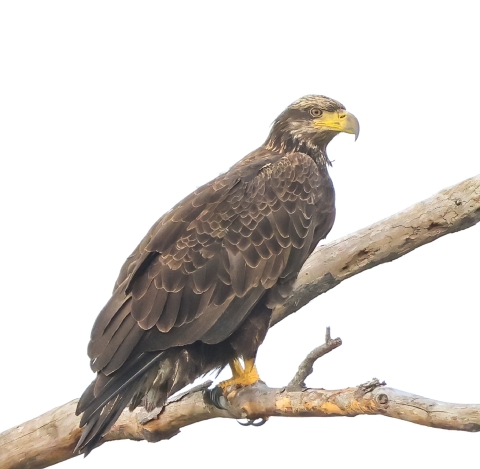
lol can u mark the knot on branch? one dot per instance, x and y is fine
(369, 386)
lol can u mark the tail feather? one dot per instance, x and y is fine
(101, 407)
(85, 399)
(101, 422)
(150, 380)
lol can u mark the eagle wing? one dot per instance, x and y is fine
(205, 264)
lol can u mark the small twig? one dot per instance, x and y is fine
(306, 367)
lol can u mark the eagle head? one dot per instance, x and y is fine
(309, 124)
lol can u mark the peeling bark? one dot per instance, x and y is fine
(50, 438)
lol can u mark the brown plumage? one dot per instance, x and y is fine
(198, 291)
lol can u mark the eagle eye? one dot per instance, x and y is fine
(315, 112)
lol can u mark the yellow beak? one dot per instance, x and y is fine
(339, 121)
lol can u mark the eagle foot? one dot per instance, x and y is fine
(241, 376)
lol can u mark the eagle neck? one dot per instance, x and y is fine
(293, 145)
(322, 159)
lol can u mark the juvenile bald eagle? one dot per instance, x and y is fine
(198, 292)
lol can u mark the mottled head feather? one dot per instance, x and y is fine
(292, 131)
(322, 102)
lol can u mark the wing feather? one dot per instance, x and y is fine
(203, 266)
(142, 309)
(123, 351)
(111, 347)
(189, 305)
(170, 311)
(149, 320)
(98, 343)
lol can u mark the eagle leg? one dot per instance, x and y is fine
(242, 376)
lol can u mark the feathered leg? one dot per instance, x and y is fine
(245, 342)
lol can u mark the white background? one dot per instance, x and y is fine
(110, 112)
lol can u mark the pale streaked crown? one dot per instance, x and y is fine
(323, 102)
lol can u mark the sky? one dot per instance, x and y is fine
(111, 112)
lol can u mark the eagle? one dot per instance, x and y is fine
(198, 292)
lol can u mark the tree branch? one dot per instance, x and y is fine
(50, 438)
(453, 209)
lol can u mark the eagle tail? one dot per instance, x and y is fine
(107, 396)
(105, 399)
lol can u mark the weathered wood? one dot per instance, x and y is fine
(50, 438)
(43, 441)
(450, 210)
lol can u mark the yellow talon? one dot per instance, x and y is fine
(241, 376)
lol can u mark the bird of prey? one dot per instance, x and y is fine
(198, 292)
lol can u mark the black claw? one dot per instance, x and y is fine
(261, 422)
(253, 422)
(215, 397)
(246, 424)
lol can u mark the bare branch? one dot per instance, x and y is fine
(450, 210)
(50, 438)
